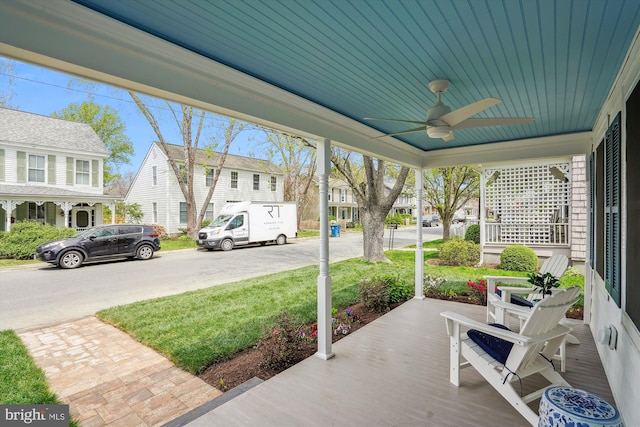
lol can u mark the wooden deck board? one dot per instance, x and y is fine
(394, 372)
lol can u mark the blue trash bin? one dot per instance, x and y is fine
(335, 230)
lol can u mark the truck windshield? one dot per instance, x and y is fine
(220, 221)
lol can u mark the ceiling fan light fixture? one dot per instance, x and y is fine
(441, 131)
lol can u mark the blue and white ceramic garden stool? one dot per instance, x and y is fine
(562, 406)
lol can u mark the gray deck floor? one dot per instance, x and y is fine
(394, 372)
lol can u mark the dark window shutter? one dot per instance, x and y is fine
(592, 214)
(613, 165)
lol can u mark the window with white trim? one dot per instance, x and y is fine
(234, 179)
(154, 175)
(209, 212)
(274, 182)
(36, 168)
(154, 216)
(36, 212)
(208, 180)
(256, 181)
(183, 212)
(83, 172)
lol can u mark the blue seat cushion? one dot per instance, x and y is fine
(495, 347)
(517, 299)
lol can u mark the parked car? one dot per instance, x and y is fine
(101, 242)
(430, 220)
(458, 218)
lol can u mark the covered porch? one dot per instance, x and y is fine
(394, 371)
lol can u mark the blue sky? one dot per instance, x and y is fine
(44, 91)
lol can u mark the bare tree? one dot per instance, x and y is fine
(369, 191)
(7, 71)
(191, 122)
(296, 158)
(120, 185)
(448, 189)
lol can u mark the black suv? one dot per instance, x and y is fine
(105, 241)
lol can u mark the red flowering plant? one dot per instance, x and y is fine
(478, 291)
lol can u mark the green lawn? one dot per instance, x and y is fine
(196, 328)
(21, 381)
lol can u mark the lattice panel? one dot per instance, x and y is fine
(528, 204)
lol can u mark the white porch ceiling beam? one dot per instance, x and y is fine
(533, 148)
(62, 35)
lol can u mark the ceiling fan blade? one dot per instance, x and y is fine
(498, 121)
(418, 129)
(448, 137)
(461, 114)
(418, 122)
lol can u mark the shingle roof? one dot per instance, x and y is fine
(28, 128)
(232, 161)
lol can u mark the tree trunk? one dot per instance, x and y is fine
(373, 236)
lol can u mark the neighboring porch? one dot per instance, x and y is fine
(53, 206)
(394, 372)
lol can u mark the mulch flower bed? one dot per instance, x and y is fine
(226, 374)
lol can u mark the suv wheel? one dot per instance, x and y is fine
(226, 245)
(144, 252)
(70, 259)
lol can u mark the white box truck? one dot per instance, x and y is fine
(242, 223)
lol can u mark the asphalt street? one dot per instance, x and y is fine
(40, 294)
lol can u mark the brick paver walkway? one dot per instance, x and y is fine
(110, 379)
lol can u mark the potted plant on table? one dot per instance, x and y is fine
(544, 282)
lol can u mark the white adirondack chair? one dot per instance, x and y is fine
(501, 307)
(531, 352)
(556, 265)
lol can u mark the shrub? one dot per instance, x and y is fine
(518, 258)
(24, 237)
(459, 252)
(394, 219)
(282, 343)
(374, 293)
(400, 290)
(158, 229)
(473, 233)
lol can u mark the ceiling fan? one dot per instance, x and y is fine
(441, 121)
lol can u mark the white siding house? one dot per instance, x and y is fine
(51, 171)
(155, 187)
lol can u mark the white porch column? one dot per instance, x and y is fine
(419, 291)
(9, 206)
(482, 215)
(112, 208)
(324, 279)
(66, 207)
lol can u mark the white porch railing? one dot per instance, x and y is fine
(527, 234)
